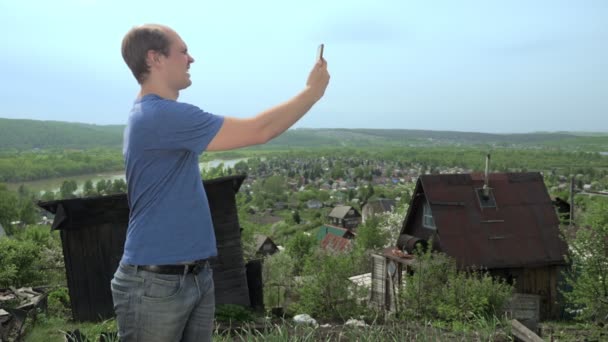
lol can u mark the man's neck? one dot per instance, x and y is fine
(163, 92)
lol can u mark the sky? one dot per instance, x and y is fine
(477, 66)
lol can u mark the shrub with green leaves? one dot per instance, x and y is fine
(588, 256)
(19, 263)
(233, 313)
(59, 302)
(277, 273)
(325, 291)
(32, 256)
(438, 290)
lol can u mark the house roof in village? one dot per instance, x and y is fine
(260, 240)
(340, 211)
(521, 230)
(381, 205)
(335, 243)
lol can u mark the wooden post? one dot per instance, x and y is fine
(521, 332)
(571, 201)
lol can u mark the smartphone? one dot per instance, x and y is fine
(320, 52)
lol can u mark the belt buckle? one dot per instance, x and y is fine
(199, 265)
(196, 268)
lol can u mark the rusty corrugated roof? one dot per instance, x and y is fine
(335, 243)
(521, 230)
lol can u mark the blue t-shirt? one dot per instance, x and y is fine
(169, 220)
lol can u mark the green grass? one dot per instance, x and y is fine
(397, 331)
(51, 329)
(573, 331)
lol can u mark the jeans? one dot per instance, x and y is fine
(153, 307)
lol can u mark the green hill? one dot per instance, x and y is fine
(31, 134)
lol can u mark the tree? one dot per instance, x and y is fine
(67, 189)
(277, 274)
(274, 185)
(102, 187)
(299, 247)
(9, 210)
(365, 193)
(296, 217)
(337, 172)
(589, 264)
(370, 236)
(48, 196)
(351, 194)
(88, 189)
(241, 167)
(118, 186)
(214, 172)
(27, 211)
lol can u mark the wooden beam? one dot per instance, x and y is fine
(521, 332)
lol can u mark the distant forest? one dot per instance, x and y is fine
(21, 135)
(32, 134)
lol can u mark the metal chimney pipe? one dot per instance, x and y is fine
(486, 184)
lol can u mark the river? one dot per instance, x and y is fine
(53, 184)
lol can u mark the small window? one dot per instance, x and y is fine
(486, 199)
(427, 216)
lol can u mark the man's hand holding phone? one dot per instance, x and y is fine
(320, 52)
(319, 76)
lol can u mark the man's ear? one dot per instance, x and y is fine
(152, 57)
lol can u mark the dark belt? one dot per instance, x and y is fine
(194, 268)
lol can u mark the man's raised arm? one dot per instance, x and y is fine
(236, 132)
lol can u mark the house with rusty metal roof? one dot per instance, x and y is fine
(502, 222)
(335, 243)
(328, 229)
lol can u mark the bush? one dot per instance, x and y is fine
(300, 246)
(33, 256)
(438, 290)
(59, 303)
(19, 263)
(277, 274)
(325, 291)
(233, 313)
(588, 255)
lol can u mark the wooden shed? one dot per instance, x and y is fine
(502, 222)
(93, 232)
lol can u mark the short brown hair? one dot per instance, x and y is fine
(136, 44)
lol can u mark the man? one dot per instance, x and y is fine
(163, 288)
